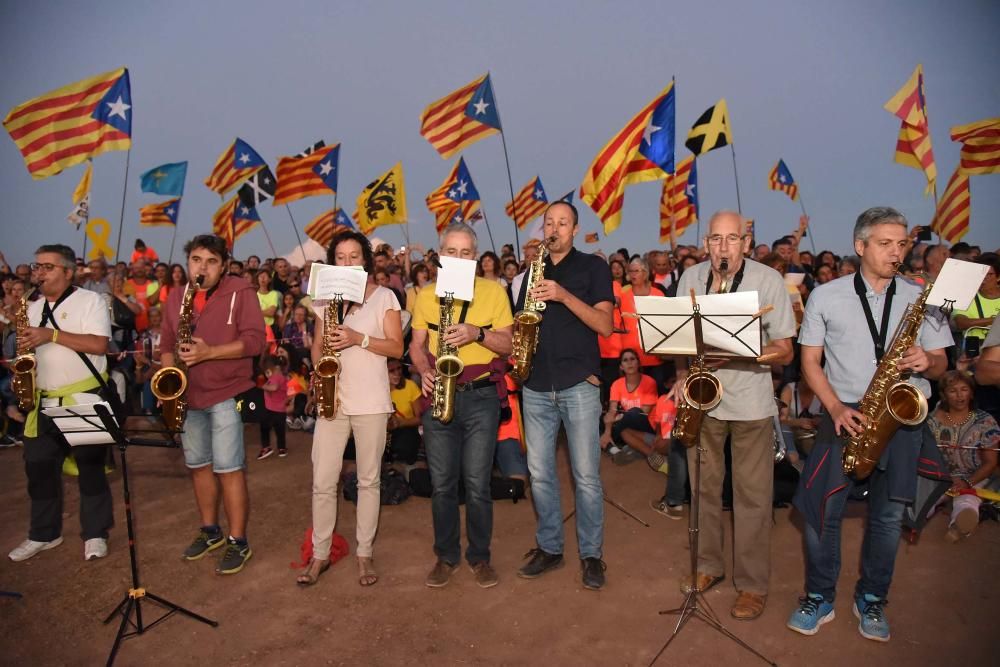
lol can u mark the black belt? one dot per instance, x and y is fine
(475, 384)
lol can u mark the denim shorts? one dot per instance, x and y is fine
(214, 436)
(510, 459)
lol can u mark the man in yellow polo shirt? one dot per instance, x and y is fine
(975, 321)
(481, 331)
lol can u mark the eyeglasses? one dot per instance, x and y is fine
(717, 239)
(35, 266)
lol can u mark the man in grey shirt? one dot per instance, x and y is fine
(97, 280)
(987, 365)
(745, 414)
(851, 321)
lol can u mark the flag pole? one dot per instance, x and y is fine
(84, 255)
(812, 243)
(297, 237)
(274, 253)
(488, 230)
(510, 179)
(173, 239)
(736, 177)
(121, 217)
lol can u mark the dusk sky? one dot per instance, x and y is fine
(804, 81)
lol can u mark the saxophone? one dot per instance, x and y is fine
(529, 319)
(22, 381)
(889, 401)
(700, 392)
(170, 382)
(327, 370)
(448, 367)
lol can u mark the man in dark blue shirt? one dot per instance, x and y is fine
(564, 386)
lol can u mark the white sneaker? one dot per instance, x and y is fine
(29, 548)
(96, 547)
(308, 424)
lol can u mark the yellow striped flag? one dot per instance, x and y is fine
(163, 214)
(622, 162)
(913, 146)
(679, 201)
(68, 125)
(980, 146)
(528, 203)
(327, 225)
(461, 118)
(951, 220)
(383, 201)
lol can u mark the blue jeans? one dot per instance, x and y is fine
(677, 472)
(214, 436)
(465, 447)
(579, 409)
(878, 551)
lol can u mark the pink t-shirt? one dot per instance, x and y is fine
(274, 400)
(644, 394)
(662, 416)
(363, 386)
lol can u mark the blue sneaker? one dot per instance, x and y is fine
(813, 612)
(870, 610)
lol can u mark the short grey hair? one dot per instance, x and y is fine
(459, 228)
(641, 261)
(877, 215)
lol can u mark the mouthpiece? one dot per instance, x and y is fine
(723, 265)
(199, 280)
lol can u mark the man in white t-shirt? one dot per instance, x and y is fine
(65, 323)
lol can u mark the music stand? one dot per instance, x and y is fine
(685, 328)
(95, 424)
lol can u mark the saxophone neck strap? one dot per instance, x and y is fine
(878, 335)
(49, 310)
(733, 286)
(461, 315)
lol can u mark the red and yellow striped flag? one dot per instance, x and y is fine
(73, 123)
(233, 220)
(162, 214)
(980, 146)
(913, 146)
(528, 203)
(446, 209)
(325, 226)
(951, 220)
(461, 118)
(677, 211)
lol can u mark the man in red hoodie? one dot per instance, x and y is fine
(227, 332)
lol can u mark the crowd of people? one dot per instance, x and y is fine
(258, 333)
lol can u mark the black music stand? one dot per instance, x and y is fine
(102, 421)
(695, 605)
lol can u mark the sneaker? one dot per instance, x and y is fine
(290, 424)
(870, 611)
(612, 450)
(29, 548)
(540, 563)
(204, 543)
(296, 424)
(264, 453)
(625, 456)
(234, 557)
(308, 424)
(813, 612)
(440, 575)
(675, 512)
(657, 462)
(593, 573)
(95, 547)
(282, 453)
(7, 441)
(486, 576)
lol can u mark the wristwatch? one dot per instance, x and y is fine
(365, 342)
(482, 335)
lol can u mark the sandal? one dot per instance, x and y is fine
(310, 575)
(366, 571)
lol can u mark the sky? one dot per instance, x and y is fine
(804, 81)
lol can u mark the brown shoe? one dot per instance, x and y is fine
(748, 606)
(440, 575)
(705, 582)
(486, 576)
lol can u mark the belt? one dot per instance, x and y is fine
(475, 384)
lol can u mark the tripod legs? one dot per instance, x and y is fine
(133, 602)
(618, 506)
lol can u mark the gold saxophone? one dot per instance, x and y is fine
(529, 319)
(169, 384)
(700, 392)
(448, 367)
(889, 401)
(327, 370)
(22, 381)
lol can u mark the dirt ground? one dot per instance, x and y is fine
(942, 598)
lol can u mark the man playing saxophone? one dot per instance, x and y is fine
(849, 320)
(480, 332)
(227, 330)
(745, 414)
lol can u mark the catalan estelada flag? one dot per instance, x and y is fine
(711, 130)
(593, 237)
(233, 220)
(643, 150)
(456, 199)
(383, 201)
(951, 220)
(237, 162)
(308, 175)
(461, 118)
(679, 200)
(528, 203)
(781, 179)
(913, 145)
(65, 127)
(163, 214)
(326, 225)
(980, 146)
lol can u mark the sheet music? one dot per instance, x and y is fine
(666, 327)
(80, 424)
(957, 284)
(457, 276)
(326, 281)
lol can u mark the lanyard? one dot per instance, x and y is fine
(878, 337)
(737, 279)
(49, 312)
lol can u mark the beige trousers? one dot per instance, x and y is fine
(329, 443)
(753, 496)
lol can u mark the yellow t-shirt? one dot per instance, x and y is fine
(489, 306)
(402, 399)
(990, 308)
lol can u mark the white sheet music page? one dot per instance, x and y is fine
(457, 276)
(957, 284)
